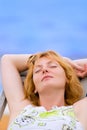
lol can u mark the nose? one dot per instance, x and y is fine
(45, 70)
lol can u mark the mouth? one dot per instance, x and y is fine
(46, 77)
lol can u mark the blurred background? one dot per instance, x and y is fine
(30, 26)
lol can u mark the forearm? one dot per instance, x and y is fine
(17, 60)
(81, 62)
(11, 66)
(79, 65)
(76, 63)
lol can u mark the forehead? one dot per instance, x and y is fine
(46, 60)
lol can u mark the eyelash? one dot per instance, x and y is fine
(37, 71)
(51, 66)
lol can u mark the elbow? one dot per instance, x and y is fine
(4, 58)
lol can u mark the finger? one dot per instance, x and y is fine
(81, 74)
(78, 67)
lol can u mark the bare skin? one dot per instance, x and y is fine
(12, 65)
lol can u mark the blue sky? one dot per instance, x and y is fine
(37, 25)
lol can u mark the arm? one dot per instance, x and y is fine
(81, 62)
(80, 66)
(80, 109)
(11, 66)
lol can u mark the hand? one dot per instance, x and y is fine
(82, 73)
(81, 70)
(74, 64)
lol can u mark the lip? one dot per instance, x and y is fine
(46, 77)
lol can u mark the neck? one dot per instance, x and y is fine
(50, 100)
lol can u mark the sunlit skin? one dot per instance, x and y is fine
(80, 68)
(49, 79)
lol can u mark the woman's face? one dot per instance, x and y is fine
(48, 74)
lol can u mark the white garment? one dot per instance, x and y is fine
(38, 118)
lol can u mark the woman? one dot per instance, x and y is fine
(51, 98)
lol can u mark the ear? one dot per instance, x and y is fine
(67, 80)
(35, 91)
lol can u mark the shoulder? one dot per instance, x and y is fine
(80, 109)
(82, 101)
(81, 104)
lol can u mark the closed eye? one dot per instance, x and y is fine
(37, 70)
(52, 65)
(49, 65)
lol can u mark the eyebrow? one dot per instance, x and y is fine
(49, 62)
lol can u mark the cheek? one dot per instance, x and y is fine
(62, 76)
(35, 80)
(64, 79)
